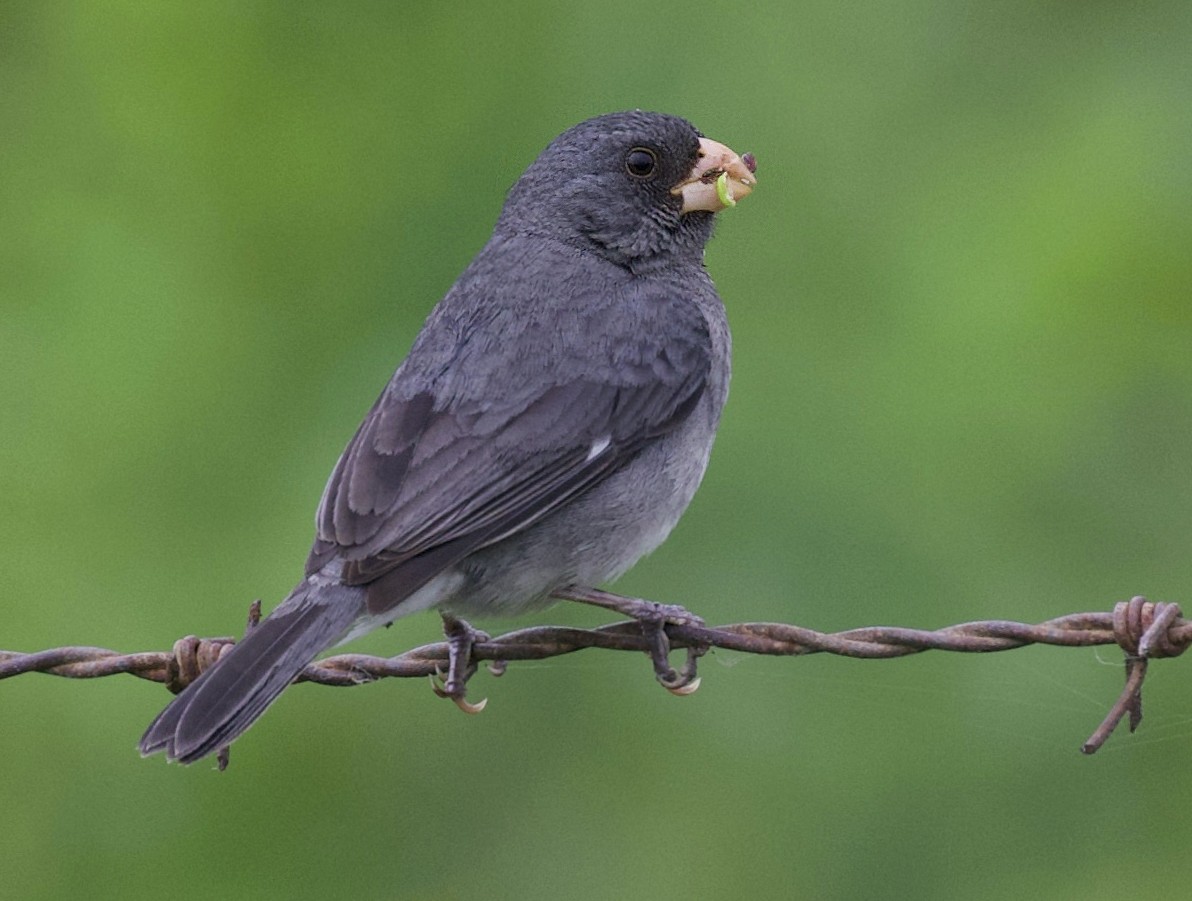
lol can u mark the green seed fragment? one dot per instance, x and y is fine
(722, 190)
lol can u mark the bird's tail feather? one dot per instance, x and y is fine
(224, 701)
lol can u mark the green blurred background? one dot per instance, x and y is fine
(963, 390)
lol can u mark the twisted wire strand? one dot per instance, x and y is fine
(1143, 629)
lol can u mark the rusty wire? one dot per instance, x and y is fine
(1144, 630)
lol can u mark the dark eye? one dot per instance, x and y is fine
(641, 162)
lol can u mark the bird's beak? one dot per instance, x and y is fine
(719, 179)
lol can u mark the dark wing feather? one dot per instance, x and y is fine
(470, 493)
(428, 479)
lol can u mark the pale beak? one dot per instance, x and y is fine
(719, 179)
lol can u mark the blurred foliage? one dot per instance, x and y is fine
(963, 389)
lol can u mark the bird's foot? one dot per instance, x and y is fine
(461, 637)
(653, 618)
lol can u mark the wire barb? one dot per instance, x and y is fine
(1143, 629)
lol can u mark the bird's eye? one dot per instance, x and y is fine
(641, 162)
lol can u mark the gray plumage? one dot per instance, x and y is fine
(549, 426)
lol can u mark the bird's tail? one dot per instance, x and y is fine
(225, 700)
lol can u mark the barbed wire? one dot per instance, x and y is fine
(1143, 629)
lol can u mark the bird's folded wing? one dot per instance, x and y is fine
(420, 481)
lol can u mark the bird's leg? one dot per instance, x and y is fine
(653, 619)
(460, 666)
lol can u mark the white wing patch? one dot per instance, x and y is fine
(598, 447)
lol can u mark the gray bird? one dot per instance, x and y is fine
(549, 426)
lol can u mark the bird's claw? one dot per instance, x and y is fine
(653, 618)
(439, 687)
(461, 638)
(683, 690)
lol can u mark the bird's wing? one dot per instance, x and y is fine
(429, 478)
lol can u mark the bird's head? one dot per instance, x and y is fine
(638, 188)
